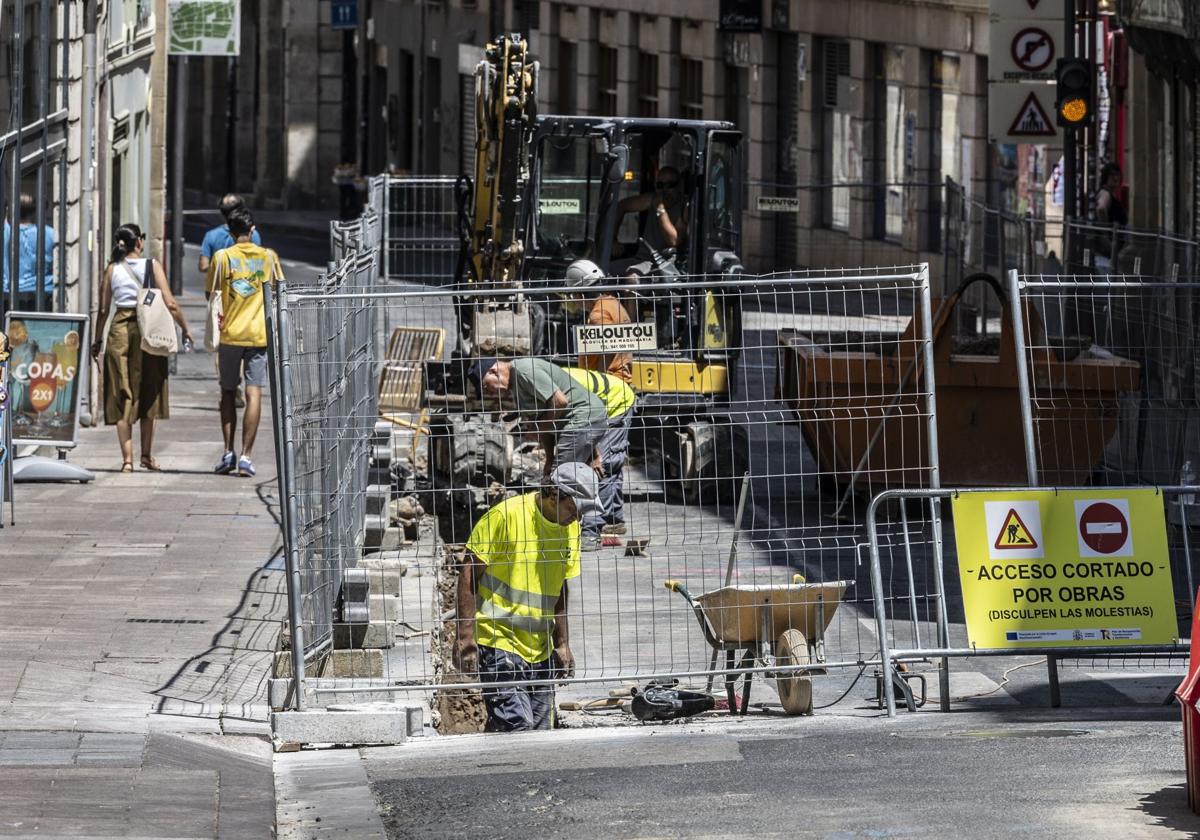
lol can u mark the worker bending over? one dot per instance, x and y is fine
(565, 417)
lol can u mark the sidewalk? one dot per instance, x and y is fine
(141, 617)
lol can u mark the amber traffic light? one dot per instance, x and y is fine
(1074, 102)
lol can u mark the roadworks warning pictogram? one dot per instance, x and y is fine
(1014, 534)
(1032, 120)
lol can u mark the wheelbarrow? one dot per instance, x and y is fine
(778, 625)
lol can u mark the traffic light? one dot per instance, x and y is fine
(1074, 103)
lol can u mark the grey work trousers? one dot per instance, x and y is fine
(614, 446)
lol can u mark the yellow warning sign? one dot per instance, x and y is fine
(1065, 568)
(1014, 533)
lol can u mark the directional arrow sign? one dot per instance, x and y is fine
(1022, 51)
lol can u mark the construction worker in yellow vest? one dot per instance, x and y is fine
(620, 402)
(512, 597)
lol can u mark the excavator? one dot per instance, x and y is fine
(549, 190)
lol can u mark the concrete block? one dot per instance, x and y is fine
(345, 727)
(279, 692)
(351, 663)
(374, 634)
(385, 608)
(378, 473)
(375, 526)
(378, 498)
(384, 581)
(413, 714)
(383, 561)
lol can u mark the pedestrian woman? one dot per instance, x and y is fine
(135, 383)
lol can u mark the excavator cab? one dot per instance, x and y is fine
(595, 184)
(595, 187)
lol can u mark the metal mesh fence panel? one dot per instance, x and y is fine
(766, 415)
(1111, 367)
(325, 366)
(420, 229)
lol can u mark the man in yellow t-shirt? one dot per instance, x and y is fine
(512, 597)
(238, 273)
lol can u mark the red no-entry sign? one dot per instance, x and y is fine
(1103, 527)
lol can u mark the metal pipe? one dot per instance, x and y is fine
(663, 675)
(885, 656)
(737, 527)
(39, 262)
(179, 127)
(14, 188)
(1024, 390)
(287, 496)
(699, 284)
(935, 482)
(60, 287)
(64, 93)
(87, 161)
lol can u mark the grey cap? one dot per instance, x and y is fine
(578, 481)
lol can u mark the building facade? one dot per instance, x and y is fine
(884, 99)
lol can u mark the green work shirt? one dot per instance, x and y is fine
(533, 384)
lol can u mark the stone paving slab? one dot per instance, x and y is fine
(139, 628)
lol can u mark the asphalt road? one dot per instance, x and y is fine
(978, 775)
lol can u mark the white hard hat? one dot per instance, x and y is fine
(583, 273)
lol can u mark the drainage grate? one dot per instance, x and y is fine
(166, 621)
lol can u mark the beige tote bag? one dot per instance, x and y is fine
(154, 319)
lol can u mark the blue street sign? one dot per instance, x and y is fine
(344, 14)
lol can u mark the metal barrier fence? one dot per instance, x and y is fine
(813, 391)
(420, 229)
(1105, 370)
(323, 383)
(948, 607)
(1114, 382)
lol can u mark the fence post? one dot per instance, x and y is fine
(885, 653)
(287, 498)
(935, 483)
(1025, 392)
(1023, 388)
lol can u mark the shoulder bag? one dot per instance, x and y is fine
(154, 319)
(212, 323)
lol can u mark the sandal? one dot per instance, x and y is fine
(148, 463)
(127, 466)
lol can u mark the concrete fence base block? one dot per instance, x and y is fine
(384, 562)
(378, 498)
(341, 727)
(375, 635)
(279, 692)
(353, 663)
(375, 527)
(385, 607)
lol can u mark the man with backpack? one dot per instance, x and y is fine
(238, 273)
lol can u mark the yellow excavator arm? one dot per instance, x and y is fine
(505, 112)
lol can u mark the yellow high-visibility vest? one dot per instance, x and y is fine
(616, 395)
(526, 558)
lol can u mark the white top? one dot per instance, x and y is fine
(125, 287)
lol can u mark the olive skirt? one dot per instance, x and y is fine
(135, 383)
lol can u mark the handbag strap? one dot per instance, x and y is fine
(145, 281)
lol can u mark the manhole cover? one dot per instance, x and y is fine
(1019, 733)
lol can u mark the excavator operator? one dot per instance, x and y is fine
(666, 227)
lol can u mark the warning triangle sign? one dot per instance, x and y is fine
(1032, 120)
(1014, 533)
(1033, 4)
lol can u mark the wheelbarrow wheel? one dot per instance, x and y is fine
(795, 689)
